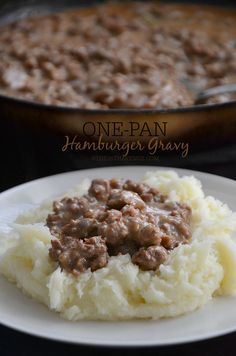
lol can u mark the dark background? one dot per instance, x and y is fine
(24, 157)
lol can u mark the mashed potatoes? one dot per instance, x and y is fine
(192, 275)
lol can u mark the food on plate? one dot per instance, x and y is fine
(114, 249)
(120, 55)
(116, 217)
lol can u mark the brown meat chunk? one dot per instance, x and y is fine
(129, 246)
(115, 232)
(80, 228)
(119, 198)
(150, 258)
(148, 235)
(81, 254)
(116, 183)
(100, 189)
(65, 210)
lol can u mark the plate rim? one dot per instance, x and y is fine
(41, 179)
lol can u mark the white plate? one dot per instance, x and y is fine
(24, 314)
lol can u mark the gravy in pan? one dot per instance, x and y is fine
(120, 55)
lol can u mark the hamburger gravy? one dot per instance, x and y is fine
(116, 55)
(116, 217)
